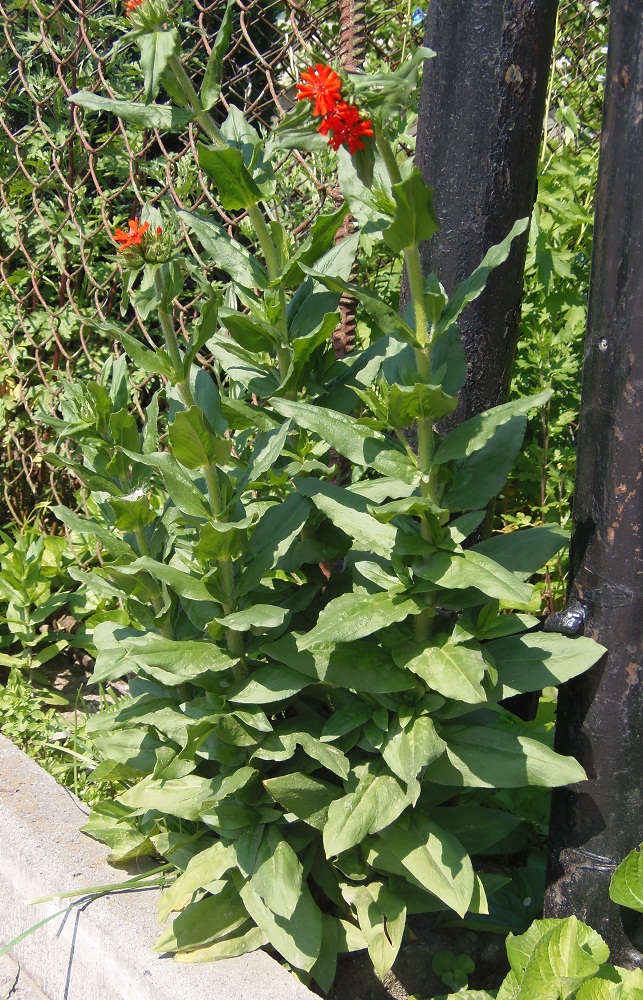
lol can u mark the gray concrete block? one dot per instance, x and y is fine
(102, 950)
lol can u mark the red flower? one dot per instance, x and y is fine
(134, 236)
(132, 5)
(322, 85)
(346, 126)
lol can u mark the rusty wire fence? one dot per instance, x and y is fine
(67, 178)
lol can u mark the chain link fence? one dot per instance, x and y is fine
(68, 178)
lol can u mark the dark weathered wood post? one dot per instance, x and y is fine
(600, 715)
(479, 134)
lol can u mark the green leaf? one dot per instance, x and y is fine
(157, 47)
(107, 538)
(626, 887)
(182, 797)
(349, 512)
(319, 241)
(474, 285)
(229, 947)
(160, 116)
(454, 671)
(563, 958)
(479, 478)
(473, 434)
(432, 857)
(353, 616)
(204, 921)
(460, 570)
(358, 443)
(183, 583)
(253, 334)
(233, 180)
(156, 362)
(306, 796)
(414, 219)
(325, 968)
(408, 750)
(538, 660)
(408, 402)
(277, 875)
(382, 920)
(361, 667)
(270, 684)
(259, 617)
(211, 86)
(297, 939)
(478, 828)
(193, 445)
(226, 253)
(272, 538)
(205, 867)
(377, 802)
(525, 551)
(482, 757)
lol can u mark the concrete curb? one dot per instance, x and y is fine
(102, 951)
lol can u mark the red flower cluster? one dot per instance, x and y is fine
(341, 121)
(133, 237)
(132, 5)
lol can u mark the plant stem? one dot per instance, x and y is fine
(203, 118)
(171, 341)
(157, 604)
(284, 351)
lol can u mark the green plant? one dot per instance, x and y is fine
(452, 969)
(564, 959)
(316, 661)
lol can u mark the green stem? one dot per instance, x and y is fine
(284, 351)
(171, 341)
(387, 154)
(157, 604)
(203, 118)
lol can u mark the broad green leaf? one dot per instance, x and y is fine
(473, 434)
(460, 570)
(408, 402)
(273, 536)
(297, 939)
(111, 823)
(305, 795)
(319, 240)
(350, 513)
(182, 797)
(360, 666)
(277, 875)
(382, 919)
(226, 253)
(474, 285)
(161, 116)
(482, 757)
(108, 539)
(204, 921)
(454, 671)
(233, 180)
(193, 445)
(270, 684)
(377, 801)
(478, 828)
(211, 86)
(539, 659)
(205, 867)
(229, 947)
(626, 887)
(604, 989)
(479, 478)
(414, 219)
(183, 583)
(433, 857)
(259, 617)
(157, 362)
(325, 968)
(525, 551)
(354, 616)
(157, 47)
(408, 750)
(248, 331)
(358, 443)
(567, 955)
